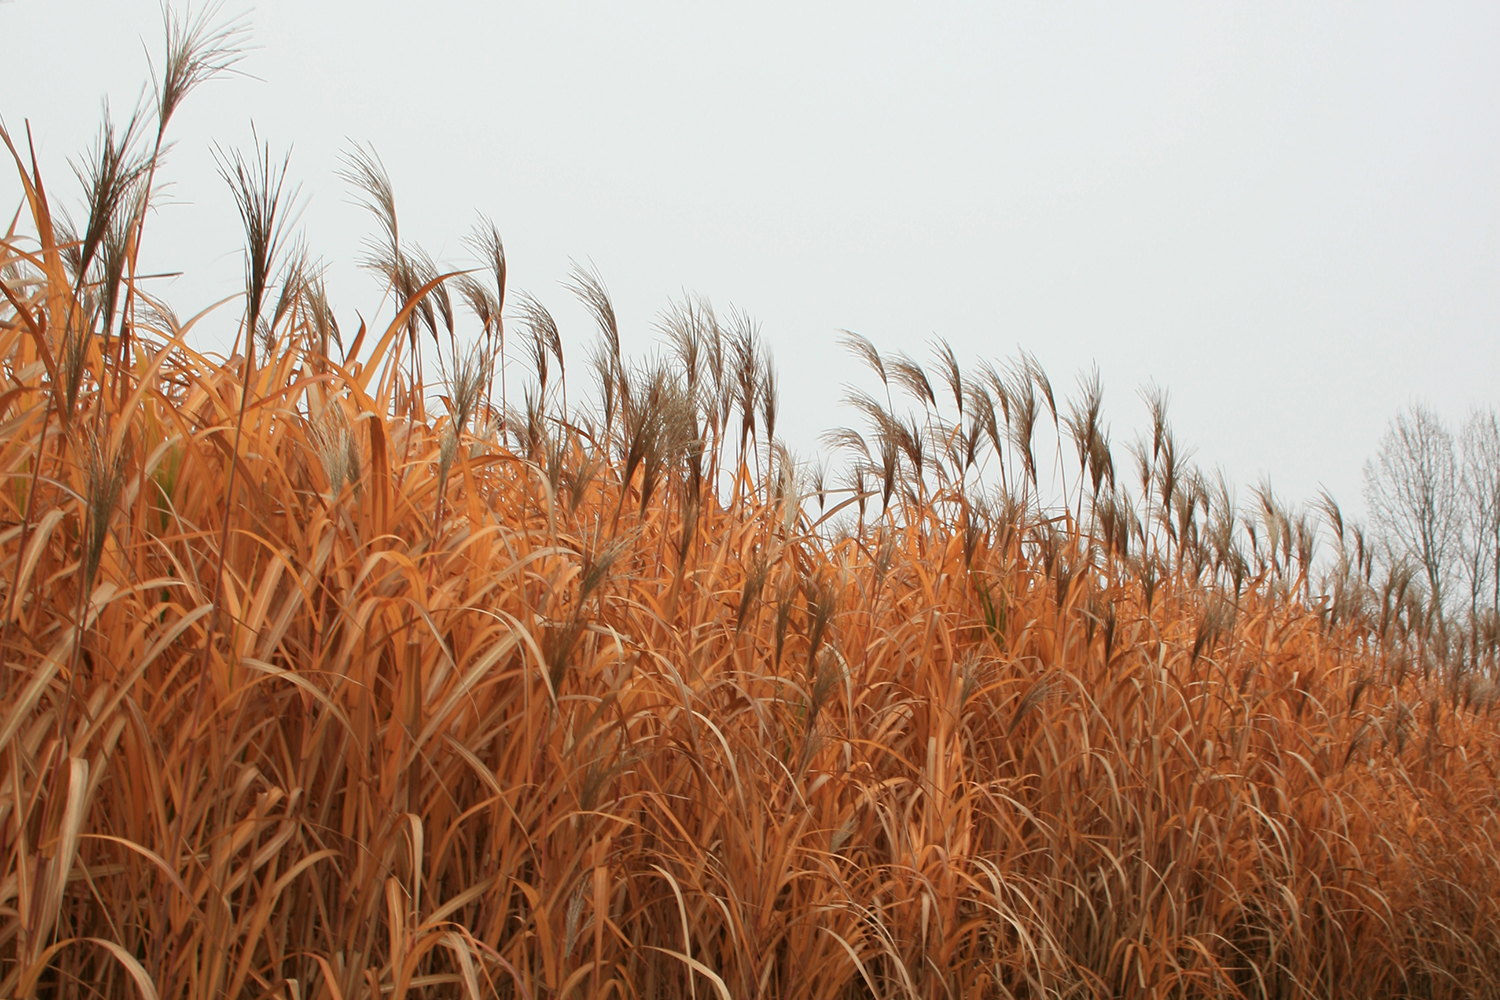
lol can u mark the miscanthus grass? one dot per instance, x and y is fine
(334, 670)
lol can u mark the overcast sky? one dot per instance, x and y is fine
(1286, 214)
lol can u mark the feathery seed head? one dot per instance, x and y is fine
(104, 476)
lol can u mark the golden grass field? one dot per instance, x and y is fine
(325, 675)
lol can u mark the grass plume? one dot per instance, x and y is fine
(616, 713)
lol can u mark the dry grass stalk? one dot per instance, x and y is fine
(463, 729)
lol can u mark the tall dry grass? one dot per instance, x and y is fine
(315, 687)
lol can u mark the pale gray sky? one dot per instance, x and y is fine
(1287, 214)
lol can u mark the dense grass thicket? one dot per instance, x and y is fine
(325, 673)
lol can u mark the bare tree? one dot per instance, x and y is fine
(1412, 490)
(1480, 511)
